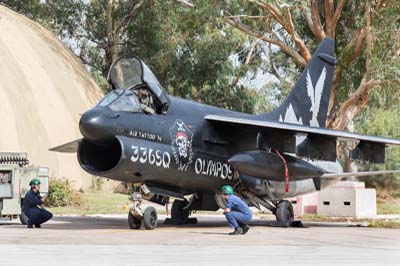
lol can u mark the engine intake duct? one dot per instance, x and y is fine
(96, 158)
(268, 165)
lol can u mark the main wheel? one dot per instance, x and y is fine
(134, 222)
(284, 211)
(150, 218)
(177, 211)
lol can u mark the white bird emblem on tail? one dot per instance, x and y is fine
(315, 95)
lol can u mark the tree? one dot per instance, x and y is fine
(187, 45)
(30, 8)
(367, 61)
(383, 123)
(367, 36)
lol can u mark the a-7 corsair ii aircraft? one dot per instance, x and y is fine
(163, 146)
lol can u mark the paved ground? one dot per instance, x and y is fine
(107, 241)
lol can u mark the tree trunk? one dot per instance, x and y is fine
(112, 37)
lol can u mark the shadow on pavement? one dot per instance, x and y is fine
(95, 223)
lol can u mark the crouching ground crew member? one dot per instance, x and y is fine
(236, 212)
(33, 206)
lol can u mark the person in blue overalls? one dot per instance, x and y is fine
(236, 212)
(33, 206)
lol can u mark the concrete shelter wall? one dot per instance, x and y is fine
(43, 90)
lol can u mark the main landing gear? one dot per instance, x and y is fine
(284, 211)
(136, 216)
(284, 215)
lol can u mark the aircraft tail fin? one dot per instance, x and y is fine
(307, 103)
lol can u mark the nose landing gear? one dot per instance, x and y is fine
(136, 216)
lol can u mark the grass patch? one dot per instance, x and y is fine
(99, 202)
(383, 224)
(388, 206)
(319, 218)
(359, 222)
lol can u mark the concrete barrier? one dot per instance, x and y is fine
(305, 204)
(347, 199)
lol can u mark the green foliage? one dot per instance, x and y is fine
(384, 224)
(383, 123)
(189, 49)
(190, 54)
(63, 194)
(196, 55)
(381, 116)
(385, 63)
(30, 8)
(97, 202)
(388, 206)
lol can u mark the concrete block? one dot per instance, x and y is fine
(305, 204)
(347, 200)
(349, 184)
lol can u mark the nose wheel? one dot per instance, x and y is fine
(150, 218)
(136, 216)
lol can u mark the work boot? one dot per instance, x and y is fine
(238, 231)
(38, 226)
(245, 228)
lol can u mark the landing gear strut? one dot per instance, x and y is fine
(136, 216)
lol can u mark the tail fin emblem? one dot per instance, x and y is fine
(315, 95)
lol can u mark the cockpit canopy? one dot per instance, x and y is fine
(135, 88)
(122, 100)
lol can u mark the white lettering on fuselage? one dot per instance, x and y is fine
(145, 135)
(153, 157)
(212, 168)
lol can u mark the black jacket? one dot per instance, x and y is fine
(31, 200)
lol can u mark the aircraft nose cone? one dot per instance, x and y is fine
(95, 125)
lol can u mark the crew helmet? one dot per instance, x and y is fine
(227, 190)
(34, 182)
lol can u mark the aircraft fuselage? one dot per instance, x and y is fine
(178, 150)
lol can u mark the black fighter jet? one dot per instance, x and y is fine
(162, 146)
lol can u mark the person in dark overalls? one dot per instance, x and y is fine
(236, 212)
(33, 206)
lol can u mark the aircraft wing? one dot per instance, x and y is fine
(70, 147)
(319, 143)
(355, 174)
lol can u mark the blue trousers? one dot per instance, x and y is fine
(38, 216)
(237, 219)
